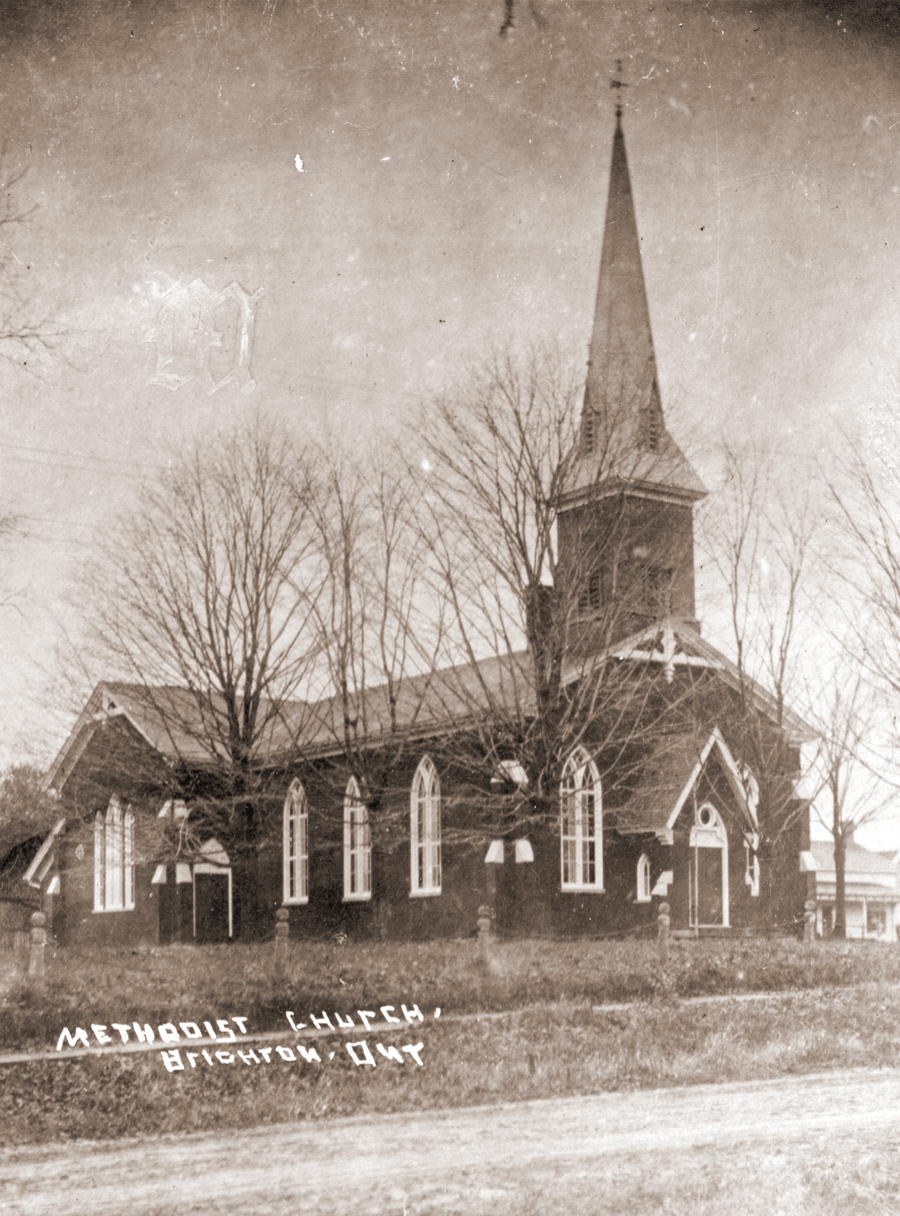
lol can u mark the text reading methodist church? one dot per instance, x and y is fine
(673, 779)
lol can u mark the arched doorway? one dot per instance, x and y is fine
(709, 869)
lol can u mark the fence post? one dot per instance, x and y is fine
(38, 942)
(485, 933)
(663, 933)
(282, 929)
(809, 917)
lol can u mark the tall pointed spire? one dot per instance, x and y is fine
(622, 366)
(623, 424)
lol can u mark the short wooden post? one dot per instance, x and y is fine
(809, 917)
(282, 929)
(485, 933)
(662, 941)
(38, 942)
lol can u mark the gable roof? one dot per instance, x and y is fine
(183, 726)
(674, 643)
(178, 725)
(860, 863)
(667, 777)
(144, 708)
(423, 703)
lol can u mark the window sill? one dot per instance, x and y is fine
(425, 893)
(296, 902)
(357, 899)
(572, 889)
(127, 908)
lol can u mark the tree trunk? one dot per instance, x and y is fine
(245, 863)
(840, 885)
(247, 918)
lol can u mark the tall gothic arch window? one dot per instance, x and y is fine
(425, 831)
(114, 859)
(357, 845)
(296, 845)
(580, 824)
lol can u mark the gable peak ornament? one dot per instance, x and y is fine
(190, 325)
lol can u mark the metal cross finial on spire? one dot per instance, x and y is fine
(618, 84)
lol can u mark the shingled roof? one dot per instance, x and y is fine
(674, 643)
(861, 865)
(666, 777)
(182, 726)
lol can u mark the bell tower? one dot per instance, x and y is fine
(626, 532)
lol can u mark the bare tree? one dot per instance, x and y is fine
(759, 535)
(849, 770)
(378, 628)
(866, 565)
(24, 329)
(530, 670)
(865, 571)
(204, 603)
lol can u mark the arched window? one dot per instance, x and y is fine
(296, 845)
(357, 845)
(425, 831)
(114, 859)
(580, 824)
(643, 879)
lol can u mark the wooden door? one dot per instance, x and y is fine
(211, 907)
(707, 904)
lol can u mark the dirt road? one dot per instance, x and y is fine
(534, 1157)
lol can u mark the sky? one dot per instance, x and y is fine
(399, 188)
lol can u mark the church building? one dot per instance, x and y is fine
(680, 788)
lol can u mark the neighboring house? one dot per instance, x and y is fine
(871, 892)
(676, 821)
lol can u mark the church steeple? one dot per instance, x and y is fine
(626, 549)
(623, 428)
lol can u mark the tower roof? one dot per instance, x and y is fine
(624, 434)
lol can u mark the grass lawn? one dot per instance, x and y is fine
(205, 982)
(554, 1044)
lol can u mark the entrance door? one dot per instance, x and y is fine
(708, 886)
(211, 907)
(709, 869)
(212, 894)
